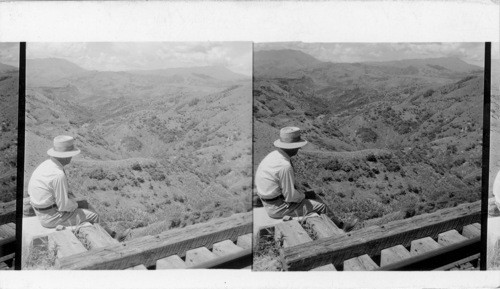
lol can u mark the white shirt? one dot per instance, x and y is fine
(275, 177)
(48, 185)
(496, 189)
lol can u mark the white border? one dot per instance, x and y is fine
(243, 279)
(309, 21)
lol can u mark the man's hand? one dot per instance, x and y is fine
(82, 204)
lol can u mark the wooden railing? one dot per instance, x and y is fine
(7, 234)
(205, 244)
(376, 246)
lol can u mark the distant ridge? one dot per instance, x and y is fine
(216, 72)
(50, 71)
(6, 67)
(274, 62)
(449, 63)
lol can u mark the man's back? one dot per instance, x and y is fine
(267, 177)
(40, 186)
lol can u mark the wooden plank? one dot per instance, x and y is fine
(147, 250)
(225, 248)
(450, 237)
(361, 263)
(423, 245)
(471, 231)
(226, 262)
(245, 241)
(477, 225)
(3, 266)
(199, 255)
(393, 255)
(7, 212)
(7, 231)
(67, 244)
(171, 262)
(96, 236)
(138, 267)
(328, 267)
(373, 239)
(324, 227)
(292, 233)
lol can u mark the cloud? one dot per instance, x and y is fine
(235, 56)
(472, 53)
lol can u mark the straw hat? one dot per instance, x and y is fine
(63, 147)
(290, 138)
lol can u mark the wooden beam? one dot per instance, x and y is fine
(373, 239)
(96, 236)
(324, 227)
(7, 212)
(471, 231)
(328, 267)
(423, 245)
(7, 231)
(450, 237)
(226, 262)
(393, 255)
(198, 256)
(225, 248)
(171, 262)
(138, 267)
(66, 243)
(292, 233)
(147, 250)
(438, 258)
(361, 263)
(245, 241)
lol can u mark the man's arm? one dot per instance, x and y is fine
(288, 190)
(63, 201)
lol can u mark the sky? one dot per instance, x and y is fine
(9, 53)
(472, 53)
(109, 56)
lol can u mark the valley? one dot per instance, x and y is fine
(161, 149)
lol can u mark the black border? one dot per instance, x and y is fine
(486, 154)
(20, 154)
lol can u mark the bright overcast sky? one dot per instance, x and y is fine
(236, 56)
(472, 53)
(9, 53)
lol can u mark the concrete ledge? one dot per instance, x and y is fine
(33, 230)
(262, 219)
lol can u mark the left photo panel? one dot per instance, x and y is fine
(9, 104)
(137, 156)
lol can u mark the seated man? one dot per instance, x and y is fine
(49, 191)
(275, 182)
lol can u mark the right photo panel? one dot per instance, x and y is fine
(493, 244)
(368, 156)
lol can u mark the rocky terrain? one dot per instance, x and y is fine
(160, 148)
(386, 139)
(9, 104)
